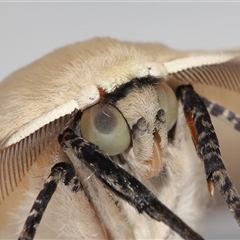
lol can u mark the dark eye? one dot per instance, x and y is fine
(104, 125)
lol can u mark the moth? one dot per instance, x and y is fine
(106, 139)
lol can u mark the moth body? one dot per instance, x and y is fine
(41, 100)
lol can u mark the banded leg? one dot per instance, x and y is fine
(207, 147)
(60, 171)
(121, 182)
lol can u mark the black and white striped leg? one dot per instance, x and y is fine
(207, 147)
(60, 171)
(121, 183)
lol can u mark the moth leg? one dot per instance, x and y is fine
(121, 183)
(61, 171)
(222, 113)
(207, 147)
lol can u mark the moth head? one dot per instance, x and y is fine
(133, 121)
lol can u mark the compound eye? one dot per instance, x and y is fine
(104, 125)
(168, 102)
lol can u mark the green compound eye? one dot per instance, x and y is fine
(168, 102)
(104, 125)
